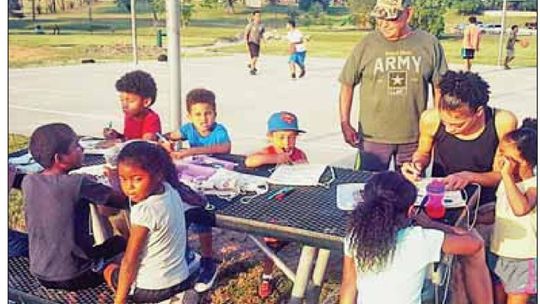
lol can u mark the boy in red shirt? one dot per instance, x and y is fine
(137, 93)
(282, 133)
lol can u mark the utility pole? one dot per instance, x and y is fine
(90, 13)
(501, 37)
(34, 11)
(173, 54)
(134, 33)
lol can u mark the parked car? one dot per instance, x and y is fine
(532, 25)
(459, 28)
(490, 28)
(524, 31)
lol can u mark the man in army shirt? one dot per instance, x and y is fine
(394, 66)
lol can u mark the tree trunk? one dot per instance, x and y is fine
(155, 17)
(33, 10)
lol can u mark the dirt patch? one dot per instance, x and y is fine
(18, 53)
(122, 50)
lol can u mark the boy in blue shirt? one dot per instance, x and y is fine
(205, 136)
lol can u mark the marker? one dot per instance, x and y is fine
(161, 137)
(282, 195)
(278, 192)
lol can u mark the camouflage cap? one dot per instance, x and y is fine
(389, 9)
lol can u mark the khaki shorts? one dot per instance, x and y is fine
(510, 52)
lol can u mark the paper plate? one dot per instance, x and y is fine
(349, 195)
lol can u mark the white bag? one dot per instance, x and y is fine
(229, 184)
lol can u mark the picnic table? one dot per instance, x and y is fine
(308, 216)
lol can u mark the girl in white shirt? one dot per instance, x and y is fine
(386, 257)
(154, 266)
(514, 240)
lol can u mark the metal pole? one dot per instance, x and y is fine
(501, 37)
(303, 273)
(279, 263)
(173, 54)
(314, 292)
(134, 33)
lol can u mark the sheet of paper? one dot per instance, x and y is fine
(97, 171)
(349, 195)
(298, 175)
(97, 146)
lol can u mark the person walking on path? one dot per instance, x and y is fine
(297, 50)
(510, 45)
(471, 42)
(394, 66)
(253, 34)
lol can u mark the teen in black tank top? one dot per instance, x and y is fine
(452, 154)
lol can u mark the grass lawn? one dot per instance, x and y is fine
(15, 207)
(108, 36)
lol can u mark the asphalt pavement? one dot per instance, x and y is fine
(84, 97)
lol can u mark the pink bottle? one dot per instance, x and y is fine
(434, 206)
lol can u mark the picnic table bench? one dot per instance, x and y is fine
(308, 216)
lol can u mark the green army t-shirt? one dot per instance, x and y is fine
(394, 79)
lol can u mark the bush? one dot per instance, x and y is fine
(187, 11)
(348, 20)
(306, 5)
(316, 10)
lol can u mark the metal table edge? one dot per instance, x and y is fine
(315, 239)
(24, 297)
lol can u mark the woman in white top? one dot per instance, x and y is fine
(386, 256)
(514, 239)
(154, 266)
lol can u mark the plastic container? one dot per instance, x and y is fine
(435, 207)
(111, 167)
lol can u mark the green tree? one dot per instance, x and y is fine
(429, 15)
(305, 5)
(468, 7)
(361, 9)
(528, 5)
(124, 4)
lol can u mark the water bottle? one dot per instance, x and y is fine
(434, 206)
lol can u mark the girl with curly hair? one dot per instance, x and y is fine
(389, 248)
(513, 257)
